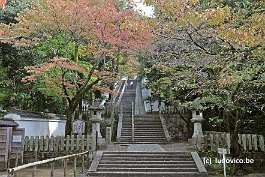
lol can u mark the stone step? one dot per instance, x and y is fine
(148, 154)
(141, 119)
(148, 158)
(147, 165)
(144, 138)
(144, 132)
(146, 162)
(129, 134)
(127, 143)
(145, 169)
(144, 174)
(144, 152)
(143, 128)
(141, 141)
(141, 122)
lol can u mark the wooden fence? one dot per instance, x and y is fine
(60, 144)
(249, 142)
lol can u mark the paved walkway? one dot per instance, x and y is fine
(149, 147)
(145, 147)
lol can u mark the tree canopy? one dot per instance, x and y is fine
(209, 55)
(82, 44)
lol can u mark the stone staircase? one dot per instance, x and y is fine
(148, 130)
(144, 157)
(140, 164)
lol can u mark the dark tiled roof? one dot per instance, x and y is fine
(7, 122)
(41, 115)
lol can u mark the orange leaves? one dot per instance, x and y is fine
(102, 89)
(3, 4)
(41, 69)
(250, 32)
(216, 16)
(119, 29)
(102, 24)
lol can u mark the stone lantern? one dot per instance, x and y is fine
(197, 137)
(96, 110)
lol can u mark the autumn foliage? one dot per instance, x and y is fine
(3, 4)
(87, 39)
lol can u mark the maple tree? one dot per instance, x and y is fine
(86, 40)
(211, 56)
(3, 4)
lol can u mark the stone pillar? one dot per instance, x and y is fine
(96, 119)
(197, 137)
(96, 126)
(108, 135)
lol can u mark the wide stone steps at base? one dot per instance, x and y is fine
(144, 174)
(147, 169)
(147, 162)
(140, 164)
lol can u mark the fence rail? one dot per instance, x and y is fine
(249, 142)
(12, 171)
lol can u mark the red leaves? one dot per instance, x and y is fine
(1, 33)
(41, 69)
(120, 29)
(3, 5)
(102, 89)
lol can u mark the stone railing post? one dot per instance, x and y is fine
(119, 128)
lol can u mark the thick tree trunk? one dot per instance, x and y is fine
(72, 106)
(69, 120)
(235, 148)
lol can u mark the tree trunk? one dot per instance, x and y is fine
(69, 120)
(235, 148)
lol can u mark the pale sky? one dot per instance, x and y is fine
(146, 10)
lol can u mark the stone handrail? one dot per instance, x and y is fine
(137, 100)
(121, 94)
(133, 122)
(113, 105)
(163, 122)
